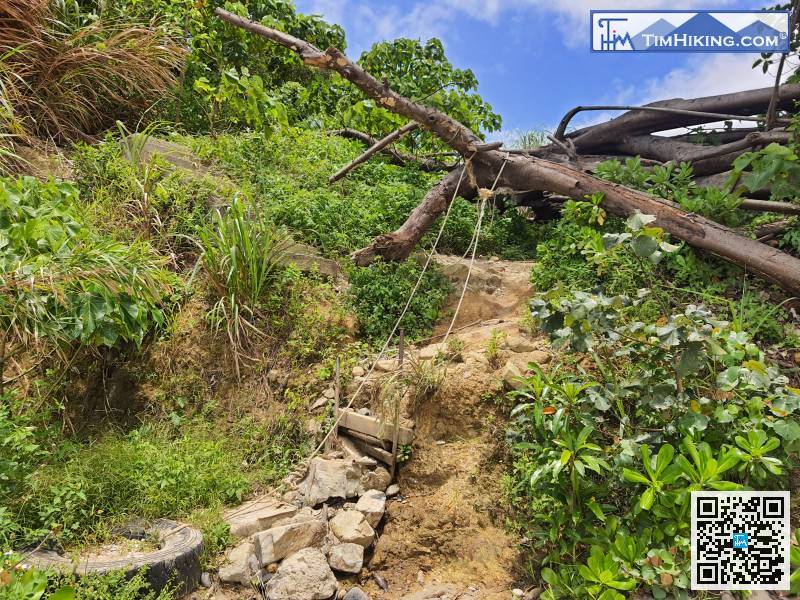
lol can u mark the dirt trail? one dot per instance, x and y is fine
(444, 537)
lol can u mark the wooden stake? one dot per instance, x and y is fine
(333, 439)
(396, 433)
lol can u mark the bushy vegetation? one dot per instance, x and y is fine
(669, 392)
(379, 294)
(172, 278)
(32, 584)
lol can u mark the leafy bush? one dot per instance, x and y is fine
(379, 292)
(288, 176)
(675, 183)
(146, 473)
(63, 281)
(421, 71)
(33, 584)
(129, 197)
(682, 403)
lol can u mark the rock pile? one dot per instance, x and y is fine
(293, 548)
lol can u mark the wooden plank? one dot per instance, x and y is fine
(382, 455)
(373, 426)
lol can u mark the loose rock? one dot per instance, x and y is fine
(386, 366)
(429, 352)
(242, 565)
(319, 403)
(347, 558)
(276, 543)
(517, 343)
(392, 490)
(257, 515)
(330, 478)
(351, 526)
(511, 374)
(372, 505)
(379, 479)
(540, 357)
(305, 575)
(356, 594)
(358, 371)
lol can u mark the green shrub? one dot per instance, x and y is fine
(685, 402)
(128, 197)
(32, 584)
(379, 292)
(63, 281)
(288, 174)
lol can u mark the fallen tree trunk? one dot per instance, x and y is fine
(399, 244)
(523, 172)
(663, 109)
(745, 103)
(665, 149)
(784, 208)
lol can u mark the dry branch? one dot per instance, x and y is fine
(375, 148)
(426, 163)
(523, 172)
(784, 208)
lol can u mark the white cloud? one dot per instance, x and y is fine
(367, 22)
(573, 15)
(708, 75)
(702, 75)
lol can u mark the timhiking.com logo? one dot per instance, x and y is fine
(689, 31)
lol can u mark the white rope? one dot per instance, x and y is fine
(400, 318)
(476, 238)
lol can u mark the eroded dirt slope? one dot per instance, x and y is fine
(444, 536)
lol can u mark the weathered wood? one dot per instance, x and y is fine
(399, 244)
(379, 453)
(373, 426)
(746, 103)
(785, 208)
(374, 149)
(530, 173)
(665, 148)
(708, 116)
(396, 420)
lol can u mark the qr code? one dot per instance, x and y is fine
(740, 540)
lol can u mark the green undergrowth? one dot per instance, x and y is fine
(32, 584)
(81, 490)
(666, 386)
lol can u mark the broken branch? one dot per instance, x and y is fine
(375, 148)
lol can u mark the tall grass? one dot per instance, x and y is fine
(242, 254)
(65, 82)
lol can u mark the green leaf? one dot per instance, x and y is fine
(647, 499)
(691, 359)
(644, 245)
(789, 430)
(634, 477)
(65, 593)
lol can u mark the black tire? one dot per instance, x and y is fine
(177, 562)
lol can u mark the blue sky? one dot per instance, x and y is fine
(532, 57)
